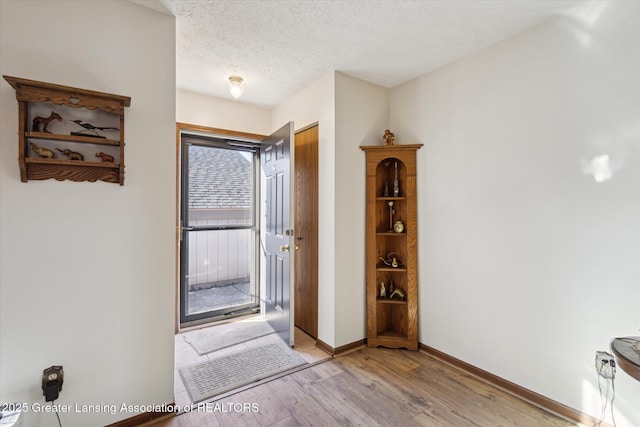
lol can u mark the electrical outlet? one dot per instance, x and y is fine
(605, 365)
(52, 379)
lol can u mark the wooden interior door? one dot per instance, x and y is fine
(306, 230)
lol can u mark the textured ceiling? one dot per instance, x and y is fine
(281, 46)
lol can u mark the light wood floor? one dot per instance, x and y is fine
(372, 387)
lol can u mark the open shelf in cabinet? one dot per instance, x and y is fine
(392, 321)
(390, 301)
(392, 335)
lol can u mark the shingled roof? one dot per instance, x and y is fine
(219, 179)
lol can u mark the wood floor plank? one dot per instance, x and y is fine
(309, 376)
(289, 421)
(480, 397)
(303, 407)
(399, 387)
(453, 389)
(375, 401)
(326, 370)
(271, 408)
(387, 386)
(438, 385)
(202, 420)
(435, 417)
(340, 399)
(418, 396)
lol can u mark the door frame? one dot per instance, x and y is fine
(180, 128)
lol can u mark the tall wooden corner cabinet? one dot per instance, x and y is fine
(392, 249)
(66, 133)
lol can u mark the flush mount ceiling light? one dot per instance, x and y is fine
(235, 86)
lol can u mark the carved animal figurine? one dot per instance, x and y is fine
(400, 293)
(91, 128)
(392, 260)
(383, 290)
(71, 155)
(37, 121)
(105, 157)
(388, 137)
(43, 153)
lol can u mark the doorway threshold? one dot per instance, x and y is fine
(231, 316)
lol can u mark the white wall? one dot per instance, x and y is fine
(197, 109)
(527, 265)
(362, 115)
(316, 103)
(87, 269)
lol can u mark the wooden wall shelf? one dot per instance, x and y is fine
(60, 162)
(392, 323)
(76, 111)
(70, 138)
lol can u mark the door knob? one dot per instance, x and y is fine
(284, 248)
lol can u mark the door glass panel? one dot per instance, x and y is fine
(219, 236)
(221, 186)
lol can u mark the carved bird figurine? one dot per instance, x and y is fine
(90, 127)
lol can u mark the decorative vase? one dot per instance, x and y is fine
(398, 227)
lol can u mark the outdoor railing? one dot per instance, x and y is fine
(218, 257)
